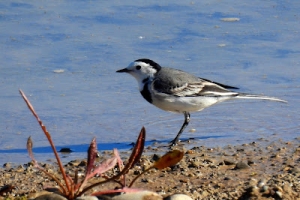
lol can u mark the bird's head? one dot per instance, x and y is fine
(142, 69)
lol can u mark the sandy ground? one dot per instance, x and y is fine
(256, 170)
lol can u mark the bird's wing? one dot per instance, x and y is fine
(221, 84)
(183, 84)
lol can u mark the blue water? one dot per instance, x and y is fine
(90, 40)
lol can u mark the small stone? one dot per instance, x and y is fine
(195, 164)
(52, 196)
(251, 162)
(229, 162)
(59, 71)
(253, 182)
(190, 151)
(230, 19)
(138, 196)
(145, 180)
(183, 180)
(204, 194)
(279, 194)
(83, 163)
(261, 183)
(7, 165)
(242, 165)
(192, 130)
(20, 168)
(295, 171)
(65, 150)
(178, 197)
(287, 189)
(74, 163)
(254, 191)
(87, 198)
(221, 45)
(155, 157)
(265, 188)
(136, 172)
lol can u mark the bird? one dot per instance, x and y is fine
(177, 91)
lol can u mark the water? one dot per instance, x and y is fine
(90, 40)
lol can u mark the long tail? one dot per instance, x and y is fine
(253, 96)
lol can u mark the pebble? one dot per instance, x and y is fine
(51, 196)
(87, 198)
(230, 19)
(265, 188)
(295, 171)
(7, 165)
(59, 71)
(178, 197)
(261, 183)
(192, 130)
(155, 157)
(65, 150)
(279, 194)
(229, 162)
(241, 165)
(143, 195)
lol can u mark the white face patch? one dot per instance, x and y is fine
(140, 71)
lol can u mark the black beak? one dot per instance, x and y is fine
(123, 70)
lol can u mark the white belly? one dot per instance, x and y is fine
(185, 104)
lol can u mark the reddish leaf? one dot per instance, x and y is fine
(29, 146)
(106, 165)
(121, 166)
(135, 156)
(29, 149)
(92, 154)
(136, 152)
(120, 162)
(49, 139)
(169, 159)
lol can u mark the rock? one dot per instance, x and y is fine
(65, 150)
(83, 163)
(261, 183)
(178, 197)
(241, 165)
(7, 165)
(155, 157)
(279, 194)
(229, 162)
(37, 194)
(87, 198)
(195, 164)
(141, 195)
(51, 196)
(295, 171)
(265, 188)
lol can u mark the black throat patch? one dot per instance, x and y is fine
(146, 93)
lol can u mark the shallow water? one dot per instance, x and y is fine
(90, 40)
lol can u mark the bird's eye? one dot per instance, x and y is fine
(138, 67)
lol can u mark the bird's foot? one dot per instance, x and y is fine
(173, 143)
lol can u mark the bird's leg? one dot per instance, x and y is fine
(185, 123)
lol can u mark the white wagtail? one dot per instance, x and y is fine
(180, 92)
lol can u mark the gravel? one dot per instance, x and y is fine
(258, 170)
